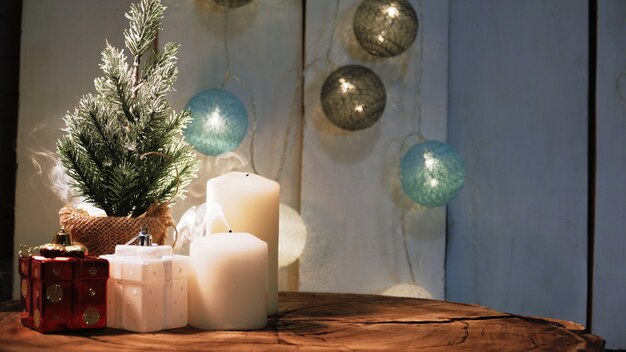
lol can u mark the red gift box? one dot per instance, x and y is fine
(63, 293)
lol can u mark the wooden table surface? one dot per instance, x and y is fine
(331, 322)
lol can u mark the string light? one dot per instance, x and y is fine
(231, 3)
(292, 235)
(408, 290)
(385, 28)
(219, 122)
(353, 97)
(431, 173)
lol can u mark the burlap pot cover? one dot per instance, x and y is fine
(101, 233)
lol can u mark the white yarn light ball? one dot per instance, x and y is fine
(407, 290)
(292, 236)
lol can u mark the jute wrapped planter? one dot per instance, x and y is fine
(101, 233)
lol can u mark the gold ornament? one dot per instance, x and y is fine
(37, 318)
(63, 238)
(91, 316)
(77, 250)
(52, 250)
(62, 245)
(54, 293)
(24, 288)
(93, 271)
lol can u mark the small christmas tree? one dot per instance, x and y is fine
(123, 149)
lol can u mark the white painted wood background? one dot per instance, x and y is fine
(351, 199)
(609, 296)
(265, 46)
(60, 53)
(517, 102)
(517, 237)
(265, 42)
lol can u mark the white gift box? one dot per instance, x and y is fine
(147, 288)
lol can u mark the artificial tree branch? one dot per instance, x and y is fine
(126, 118)
(135, 84)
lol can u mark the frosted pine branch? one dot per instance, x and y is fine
(145, 19)
(110, 133)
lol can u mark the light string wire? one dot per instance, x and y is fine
(618, 85)
(300, 82)
(229, 76)
(332, 35)
(418, 133)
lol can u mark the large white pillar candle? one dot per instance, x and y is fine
(228, 289)
(250, 204)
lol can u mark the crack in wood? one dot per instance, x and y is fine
(465, 333)
(442, 321)
(337, 322)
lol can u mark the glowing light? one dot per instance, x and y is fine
(429, 161)
(431, 173)
(392, 11)
(219, 122)
(345, 85)
(408, 290)
(292, 235)
(385, 28)
(215, 120)
(353, 97)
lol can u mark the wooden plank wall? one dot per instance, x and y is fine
(609, 295)
(265, 44)
(60, 53)
(517, 237)
(517, 114)
(351, 201)
(265, 53)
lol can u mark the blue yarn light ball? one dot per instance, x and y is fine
(219, 122)
(431, 173)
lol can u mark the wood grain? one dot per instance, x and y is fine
(351, 198)
(329, 322)
(265, 53)
(610, 243)
(60, 51)
(517, 233)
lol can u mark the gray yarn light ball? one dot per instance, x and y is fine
(231, 3)
(353, 97)
(385, 28)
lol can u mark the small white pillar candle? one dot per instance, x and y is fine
(250, 204)
(228, 290)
